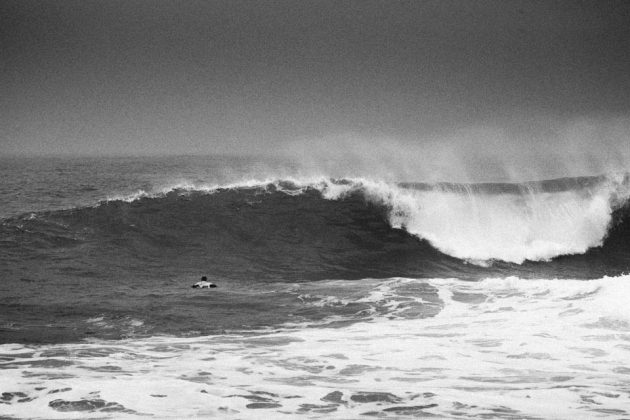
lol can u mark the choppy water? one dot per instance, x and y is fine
(337, 297)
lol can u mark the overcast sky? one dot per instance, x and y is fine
(507, 80)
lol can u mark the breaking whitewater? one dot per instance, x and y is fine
(336, 298)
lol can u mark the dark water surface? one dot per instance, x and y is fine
(109, 247)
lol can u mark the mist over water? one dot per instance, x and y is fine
(518, 151)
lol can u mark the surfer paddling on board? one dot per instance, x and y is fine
(203, 284)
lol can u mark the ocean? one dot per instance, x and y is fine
(338, 295)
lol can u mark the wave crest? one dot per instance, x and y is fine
(353, 228)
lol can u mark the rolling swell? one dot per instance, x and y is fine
(286, 231)
(250, 233)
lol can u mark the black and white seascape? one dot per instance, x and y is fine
(384, 209)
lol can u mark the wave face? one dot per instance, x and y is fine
(349, 228)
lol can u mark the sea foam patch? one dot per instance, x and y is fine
(499, 348)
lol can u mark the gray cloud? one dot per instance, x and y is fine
(506, 80)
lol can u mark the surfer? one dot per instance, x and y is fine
(204, 283)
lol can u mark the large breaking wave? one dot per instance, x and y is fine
(507, 222)
(345, 228)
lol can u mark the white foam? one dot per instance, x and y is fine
(510, 227)
(200, 187)
(540, 348)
